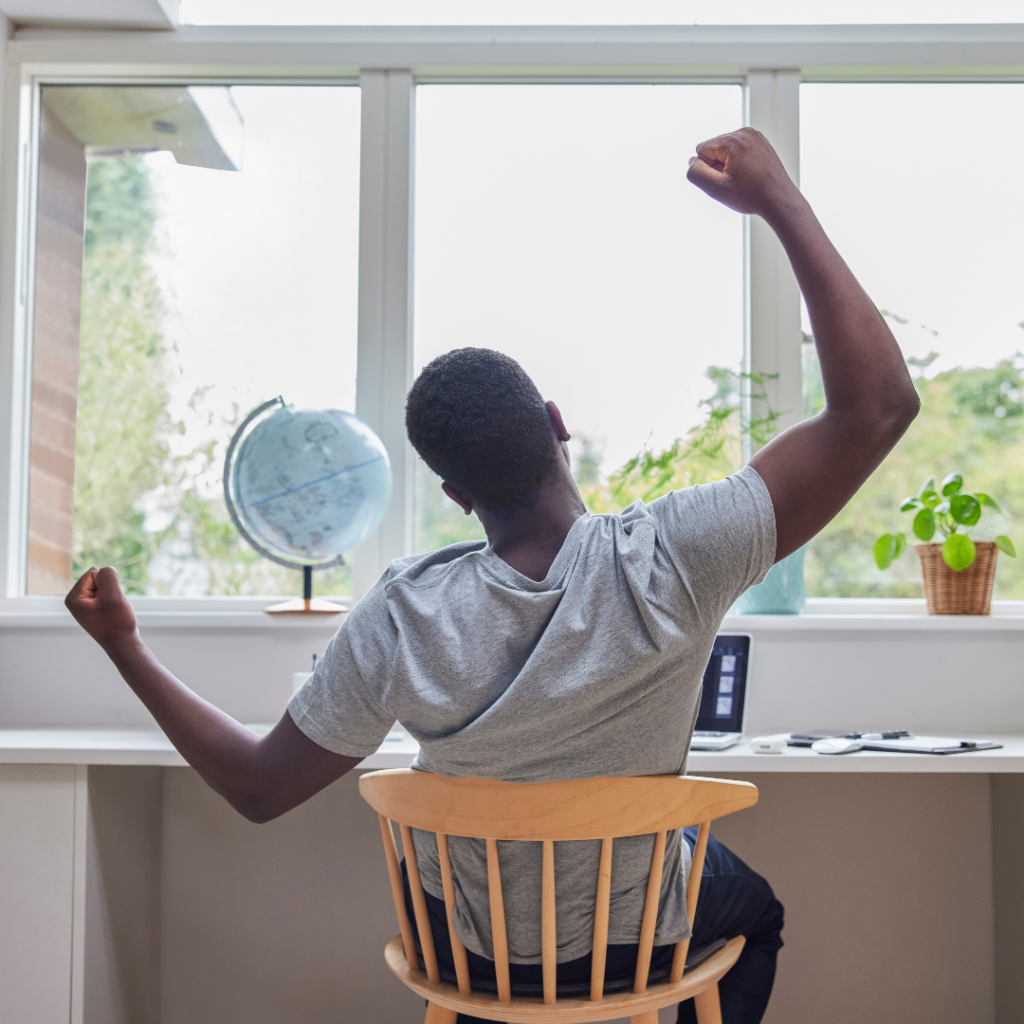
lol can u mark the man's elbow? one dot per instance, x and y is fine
(896, 412)
(908, 406)
(257, 806)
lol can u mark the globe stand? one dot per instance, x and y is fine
(307, 604)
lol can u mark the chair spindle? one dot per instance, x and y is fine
(419, 905)
(549, 931)
(499, 938)
(458, 949)
(692, 892)
(708, 1006)
(650, 919)
(601, 911)
(398, 891)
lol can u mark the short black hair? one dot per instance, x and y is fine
(479, 422)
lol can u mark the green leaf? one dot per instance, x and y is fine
(884, 550)
(928, 485)
(924, 525)
(1006, 545)
(952, 484)
(901, 545)
(965, 509)
(908, 503)
(929, 498)
(958, 551)
(988, 502)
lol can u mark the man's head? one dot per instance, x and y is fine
(479, 422)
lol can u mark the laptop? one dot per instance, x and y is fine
(723, 701)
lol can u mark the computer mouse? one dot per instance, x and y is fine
(836, 745)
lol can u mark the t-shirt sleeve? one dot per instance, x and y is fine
(342, 706)
(719, 538)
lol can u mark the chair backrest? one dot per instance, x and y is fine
(601, 809)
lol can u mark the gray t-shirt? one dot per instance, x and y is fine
(593, 671)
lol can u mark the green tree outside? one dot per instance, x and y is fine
(971, 421)
(127, 474)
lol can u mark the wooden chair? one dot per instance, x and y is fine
(549, 812)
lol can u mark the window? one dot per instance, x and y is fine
(918, 186)
(219, 228)
(554, 223)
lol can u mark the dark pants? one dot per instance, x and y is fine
(733, 901)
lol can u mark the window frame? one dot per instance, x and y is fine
(387, 64)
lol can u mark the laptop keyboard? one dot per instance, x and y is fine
(709, 735)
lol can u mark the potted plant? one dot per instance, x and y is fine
(959, 573)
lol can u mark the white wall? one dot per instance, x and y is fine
(886, 880)
(803, 676)
(59, 677)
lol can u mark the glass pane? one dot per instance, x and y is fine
(220, 231)
(933, 229)
(554, 223)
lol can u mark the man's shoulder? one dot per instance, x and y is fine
(432, 566)
(740, 494)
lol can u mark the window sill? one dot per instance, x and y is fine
(172, 613)
(245, 613)
(883, 615)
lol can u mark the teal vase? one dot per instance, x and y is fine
(782, 591)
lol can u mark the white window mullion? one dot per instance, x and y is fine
(385, 358)
(17, 220)
(773, 107)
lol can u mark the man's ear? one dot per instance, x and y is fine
(556, 422)
(458, 497)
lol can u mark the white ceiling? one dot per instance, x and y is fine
(93, 13)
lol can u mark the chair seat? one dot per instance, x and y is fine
(532, 1010)
(570, 989)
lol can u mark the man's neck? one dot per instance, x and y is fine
(529, 536)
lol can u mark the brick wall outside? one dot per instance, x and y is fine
(58, 299)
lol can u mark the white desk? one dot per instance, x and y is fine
(119, 878)
(151, 747)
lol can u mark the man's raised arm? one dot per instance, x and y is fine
(261, 777)
(814, 468)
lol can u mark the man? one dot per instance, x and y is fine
(569, 645)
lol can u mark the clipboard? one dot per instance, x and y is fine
(930, 745)
(898, 742)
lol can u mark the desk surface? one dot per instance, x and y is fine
(151, 747)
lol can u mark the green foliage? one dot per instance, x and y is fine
(121, 435)
(439, 521)
(958, 551)
(888, 548)
(120, 205)
(952, 511)
(1005, 545)
(990, 400)
(989, 449)
(710, 451)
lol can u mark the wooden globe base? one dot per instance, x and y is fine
(305, 606)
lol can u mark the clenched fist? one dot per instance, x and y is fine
(100, 607)
(743, 172)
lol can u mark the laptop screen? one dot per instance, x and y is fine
(725, 685)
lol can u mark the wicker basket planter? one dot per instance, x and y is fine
(967, 592)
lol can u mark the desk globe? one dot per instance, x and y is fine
(304, 485)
